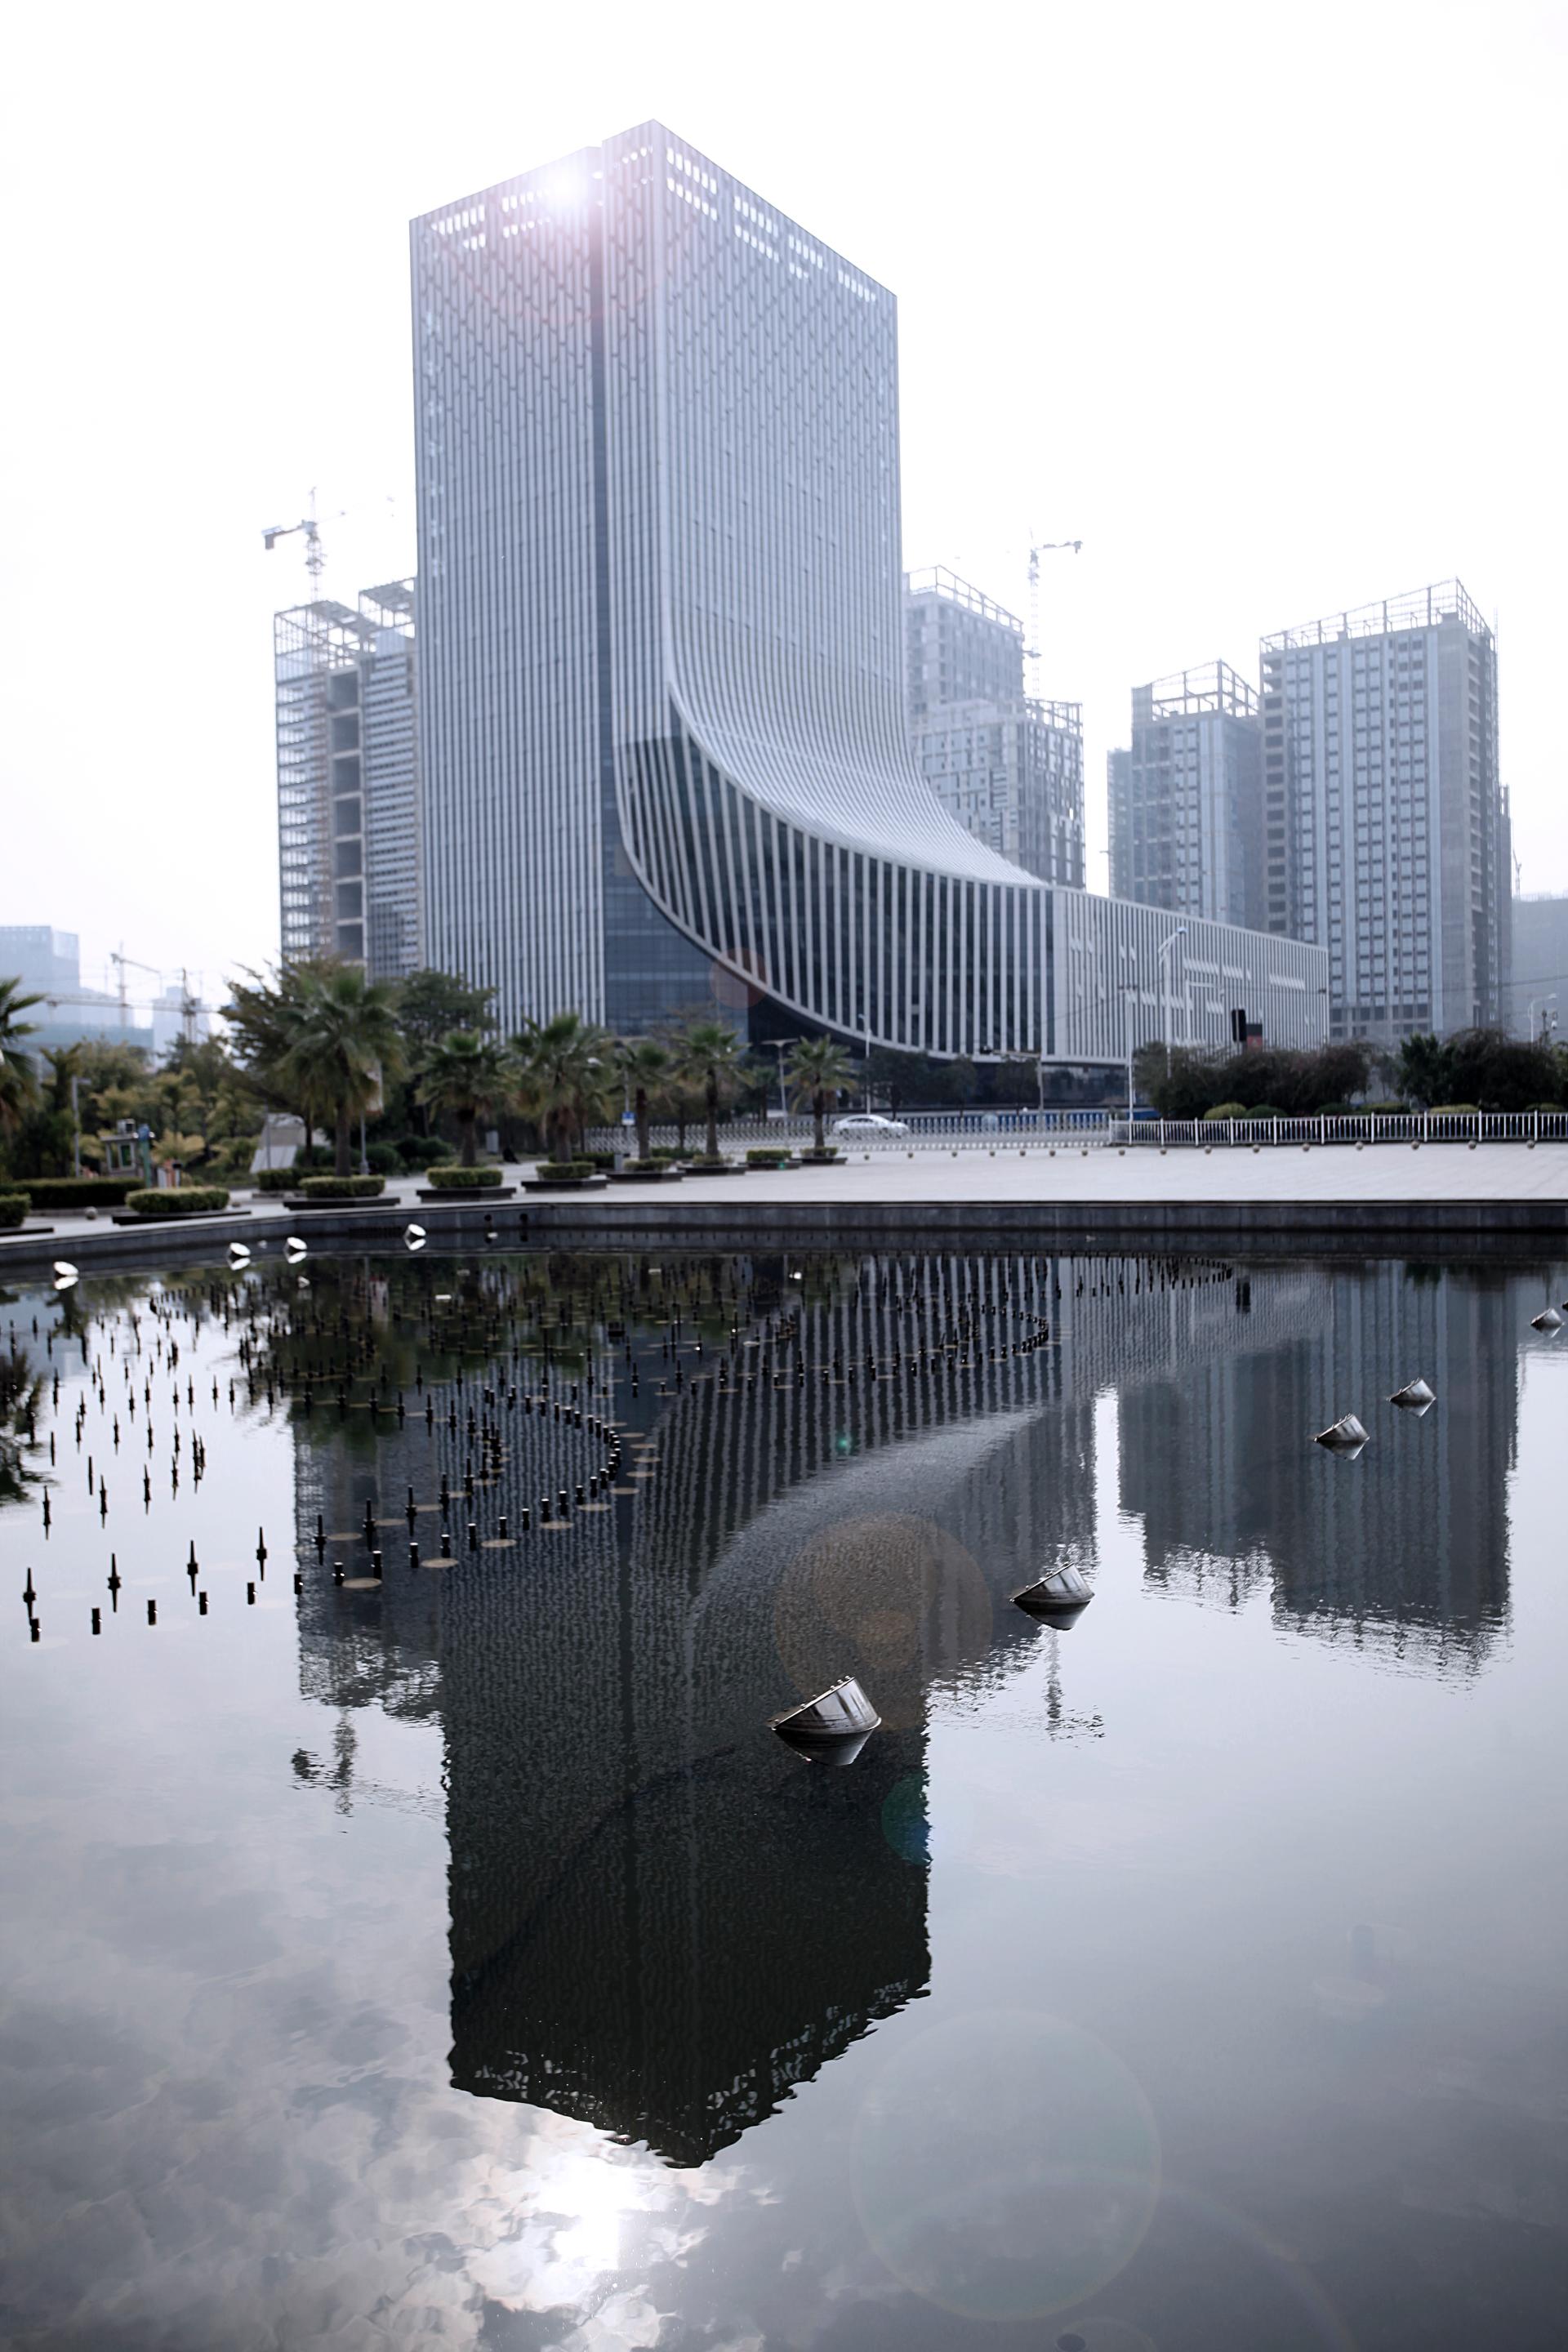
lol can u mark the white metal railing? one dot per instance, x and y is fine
(994, 1131)
(1352, 1127)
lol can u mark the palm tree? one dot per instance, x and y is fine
(565, 1065)
(645, 1066)
(715, 1058)
(18, 1079)
(345, 1042)
(467, 1075)
(818, 1069)
(265, 1016)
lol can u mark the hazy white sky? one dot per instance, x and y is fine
(1263, 303)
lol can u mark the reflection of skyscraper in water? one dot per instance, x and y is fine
(1407, 1546)
(661, 1919)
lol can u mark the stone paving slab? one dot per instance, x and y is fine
(1380, 1189)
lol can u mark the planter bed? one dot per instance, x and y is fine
(172, 1217)
(715, 1167)
(305, 1201)
(595, 1183)
(665, 1174)
(480, 1194)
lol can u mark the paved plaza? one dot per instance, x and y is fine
(1381, 1177)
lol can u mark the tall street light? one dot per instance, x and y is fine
(1165, 946)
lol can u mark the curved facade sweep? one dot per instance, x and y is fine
(662, 685)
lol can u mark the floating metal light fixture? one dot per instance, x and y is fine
(1061, 1597)
(832, 1727)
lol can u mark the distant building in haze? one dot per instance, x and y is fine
(1386, 825)
(348, 850)
(1010, 768)
(1186, 830)
(1537, 994)
(48, 964)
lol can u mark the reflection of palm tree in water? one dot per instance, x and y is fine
(21, 1394)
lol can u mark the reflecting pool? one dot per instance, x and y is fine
(415, 1932)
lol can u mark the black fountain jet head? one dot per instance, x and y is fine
(1060, 1598)
(832, 1727)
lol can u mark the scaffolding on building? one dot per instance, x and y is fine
(1185, 694)
(1421, 608)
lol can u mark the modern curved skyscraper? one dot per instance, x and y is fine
(661, 659)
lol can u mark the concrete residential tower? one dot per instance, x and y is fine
(661, 658)
(347, 781)
(1008, 766)
(1387, 828)
(1187, 803)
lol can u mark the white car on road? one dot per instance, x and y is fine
(869, 1124)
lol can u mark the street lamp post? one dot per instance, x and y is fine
(1165, 1016)
(1129, 990)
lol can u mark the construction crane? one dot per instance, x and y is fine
(1045, 547)
(118, 957)
(315, 554)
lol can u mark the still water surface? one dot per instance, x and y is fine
(456, 1958)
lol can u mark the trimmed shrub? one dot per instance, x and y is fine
(700, 1160)
(453, 1179)
(77, 1192)
(384, 1159)
(768, 1155)
(554, 1170)
(1390, 1109)
(275, 1180)
(14, 1207)
(342, 1188)
(665, 1151)
(602, 1161)
(1261, 1110)
(1454, 1110)
(178, 1201)
(1226, 1110)
(820, 1158)
(1555, 1108)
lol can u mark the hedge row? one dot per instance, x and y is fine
(342, 1188)
(179, 1201)
(554, 1170)
(14, 1207)
(77, 1192)
(451, 1177)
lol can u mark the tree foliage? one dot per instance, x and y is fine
(820, 1069)
(713, 1057)
(468, 1076)
(1483, 1066)
(433, 1005)
(565, 1076)
(1187, 1082)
